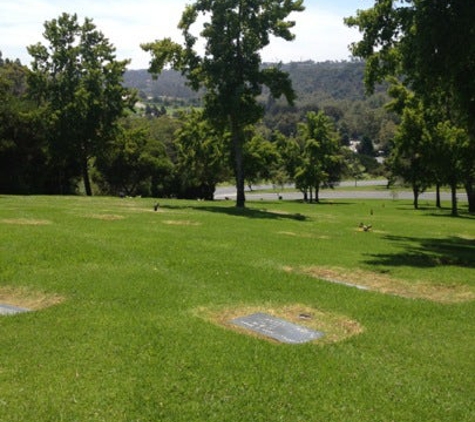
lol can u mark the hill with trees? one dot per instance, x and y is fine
(337, 88)
(313, 82)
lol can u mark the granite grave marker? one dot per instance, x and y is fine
(277, 328)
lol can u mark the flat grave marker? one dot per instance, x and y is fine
(277, 328)
(11, 310)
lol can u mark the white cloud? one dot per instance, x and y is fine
(321, 35)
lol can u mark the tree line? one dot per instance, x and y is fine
(426, 50)
(71, 120)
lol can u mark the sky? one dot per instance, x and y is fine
(320, 32)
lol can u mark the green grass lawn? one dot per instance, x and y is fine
(131, 311)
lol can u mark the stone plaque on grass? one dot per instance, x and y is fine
(11, 310)
(277, 329)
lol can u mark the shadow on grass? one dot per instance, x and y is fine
(243, 212)
(462, 215)
(428, 253)
(323, 202)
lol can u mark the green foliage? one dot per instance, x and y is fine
(431, 45)
(429, 147)
(201, 157)
(24, 163)
(262, 160)
(321, 154)
(230, 69)
(410, 155)
(78, 79)
(141, 159)
(132, 164)
(336, 88)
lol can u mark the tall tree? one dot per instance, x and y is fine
(133, 162)
(429, 43)
(201, 159)
(22, 150)
(321, 153)
(452, 155)
(230, 69)
(410, 154)
(262, 160)
(80, 81)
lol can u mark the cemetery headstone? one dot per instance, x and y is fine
(277, 328)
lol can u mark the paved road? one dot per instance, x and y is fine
(257, 193)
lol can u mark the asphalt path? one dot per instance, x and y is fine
(261, 192)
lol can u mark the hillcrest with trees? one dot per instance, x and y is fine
(78, 121)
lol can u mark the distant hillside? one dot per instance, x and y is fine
(169, 84)
(313, 82)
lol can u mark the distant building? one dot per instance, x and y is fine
(354, 145)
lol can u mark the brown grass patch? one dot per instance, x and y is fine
(25, 221)
(383, 283)
(181, 223)
(303, 235)
(107, 217)
(335, 327)
(27, 298)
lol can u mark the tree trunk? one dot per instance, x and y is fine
(415, 191)
(453, 189)
(317, 193)
(238, 140)
(437, 196)
(85, 176)
(470, 189)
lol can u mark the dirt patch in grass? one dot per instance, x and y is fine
(107, 217)
(181, 223)
(335, 327)
(25, 222)
(303, 235)
(27, 298)
(383, 283)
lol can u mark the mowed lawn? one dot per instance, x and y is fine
(132, 309)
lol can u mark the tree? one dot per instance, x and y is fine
(321, 153)
(428, 43)
(132, 163)
(353, 166)
(261, 159)
(201, 159)
(23, 159)
(290, 153)
(366, 147)
(409, 157)
(230, 69)
(79, 81)
(453, 156)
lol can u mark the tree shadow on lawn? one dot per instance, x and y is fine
(462, 215)
(428, 253)
(322, 202)
(261, 213)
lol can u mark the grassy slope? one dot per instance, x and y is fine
(125, 345)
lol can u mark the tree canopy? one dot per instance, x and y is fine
(430, 45)
(78, 81)
(230, 68)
